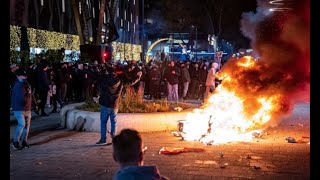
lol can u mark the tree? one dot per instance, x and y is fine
(60, 15)
(37, 11)
(50, 5)
(77, 20)
(100, 23)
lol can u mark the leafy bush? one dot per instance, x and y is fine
(134, 103)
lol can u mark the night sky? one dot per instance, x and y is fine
(197, 12)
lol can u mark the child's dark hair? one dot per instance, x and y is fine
(127, 146)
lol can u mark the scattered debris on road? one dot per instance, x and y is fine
(179, 109)
(257, 135)
(291, 140)
(254, 157)
(221, 154)
(257, 167)
(224, 165)
(171, 150)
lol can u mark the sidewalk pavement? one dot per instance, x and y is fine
(67, 154)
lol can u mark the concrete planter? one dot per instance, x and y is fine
(75, 119)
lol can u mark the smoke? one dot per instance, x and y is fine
(282, 41)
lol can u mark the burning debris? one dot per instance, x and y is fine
(256, 94)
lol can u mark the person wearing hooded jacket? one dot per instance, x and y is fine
(21, 103)
(128, 151)
(110, 87)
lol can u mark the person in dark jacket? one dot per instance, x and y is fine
(195, 81)
(12, 75)
(172, 74)
(43, 85)
(202, 79)
(21, 104)
(110, 88)
(128, 151)
(154, 82)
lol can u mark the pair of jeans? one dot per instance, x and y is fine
(105, 113)
(22, 129)
(172, 92)
(185, 89)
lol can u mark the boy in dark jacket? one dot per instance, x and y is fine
(21, 102)
(128, 151)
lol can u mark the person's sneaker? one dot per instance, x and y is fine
(25, 144)
(101, 142)
(16, 145)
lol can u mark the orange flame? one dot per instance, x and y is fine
(229, 114)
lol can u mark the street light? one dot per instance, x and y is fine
(196, 43)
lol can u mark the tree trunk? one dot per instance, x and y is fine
(12, 11)
(60, 15)
(70, 22)
(37, 12)
(77, 20)
(36, 9)
(24, 45)
(100, 23)
(25, 20)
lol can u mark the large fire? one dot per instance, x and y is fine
(225, 117)
(256, 94)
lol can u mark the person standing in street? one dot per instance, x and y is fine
(110, 87)
(43, 83)
(210, 81)
(172, 74)
(21, 103)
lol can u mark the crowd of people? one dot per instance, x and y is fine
(41, 84)
(57, 84)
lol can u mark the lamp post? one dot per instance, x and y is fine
(196, 42)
